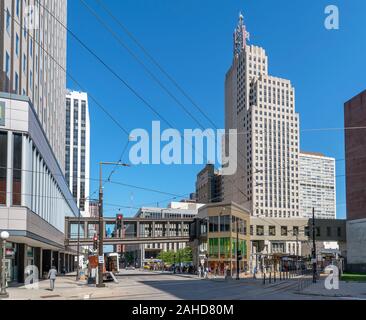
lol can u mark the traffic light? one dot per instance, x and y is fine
(240, 257)
(95, 242)
(119, 221)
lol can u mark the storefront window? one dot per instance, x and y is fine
(225, 248)
(3, 165)
(243, 248)
(213, 244)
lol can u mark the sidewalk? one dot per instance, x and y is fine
(65, 288)
(346, 290)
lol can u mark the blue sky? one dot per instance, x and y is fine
(192, 40)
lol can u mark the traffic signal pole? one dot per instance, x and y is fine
(237, 250)
(314, 248)
(100, 283)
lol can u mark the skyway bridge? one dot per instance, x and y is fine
(131, 232)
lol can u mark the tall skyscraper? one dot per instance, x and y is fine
(262, 109)
(317, 186)
(34, 196)
(77, 157)
(33, 60)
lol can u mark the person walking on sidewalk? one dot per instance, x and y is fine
(52, 274)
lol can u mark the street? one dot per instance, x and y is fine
(147, 285)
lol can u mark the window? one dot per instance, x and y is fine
(17, 45)
(260, 230)
(17, 7)
(339, 232)
(272, 231)
(3, 165)
(329, 231)
(296, 231)
(318, 232)
(214, 224)
(17, 170)
(224, 223)
(7, 65)
(284, 231)
(16, 82)
(8, 21)
(24, 62)
(31, 78)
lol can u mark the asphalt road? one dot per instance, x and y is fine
(146, 285)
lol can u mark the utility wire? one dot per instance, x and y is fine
(154, 61)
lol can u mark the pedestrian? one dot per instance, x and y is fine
(52, 274)
(199, 272)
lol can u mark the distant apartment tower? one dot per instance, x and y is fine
(34, 61)
(93, 209)
(77, 156)
(317, 186)
(262, 109)
(34, 196)
(209, 185)
(355, 139)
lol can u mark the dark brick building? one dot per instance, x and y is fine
(355, 141)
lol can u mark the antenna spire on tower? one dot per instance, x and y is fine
(240, 36)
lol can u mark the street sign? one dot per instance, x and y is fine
(101, 259)
(93, 262)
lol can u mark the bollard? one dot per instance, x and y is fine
(274, 278)
(264, 278)
(270, 277)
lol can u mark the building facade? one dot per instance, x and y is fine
(33, 61)
(175, 210)
(34, 196)
(219, 233)
(262, 110)
(209, 185)
(355, 149)
(317, 186)
(77, 156)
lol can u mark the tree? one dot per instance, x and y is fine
(182, 255)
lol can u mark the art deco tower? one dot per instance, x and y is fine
(262, 109)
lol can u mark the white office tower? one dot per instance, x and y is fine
(262, 109)
(77, 157)
(34, 196)
(317, 186)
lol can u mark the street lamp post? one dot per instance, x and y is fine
(100, 283)
(237, 249)
(314, 248)
(3, 293)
